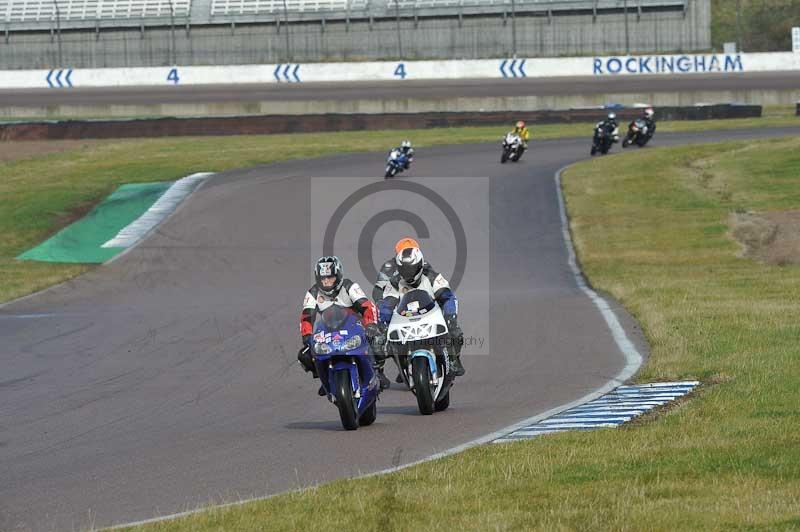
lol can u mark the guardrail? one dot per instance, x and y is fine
(508, 68)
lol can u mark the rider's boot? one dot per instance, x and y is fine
(458, 368)
(378, 361)
(384, 380)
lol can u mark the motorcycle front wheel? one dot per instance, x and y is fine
(442, 403)
(504, 157)
(390, 171)
(345, 400)
(369, 415)
(422, 385)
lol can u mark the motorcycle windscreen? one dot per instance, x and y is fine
(415, 303)
(334, 317)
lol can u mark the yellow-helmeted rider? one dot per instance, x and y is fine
(524, 134)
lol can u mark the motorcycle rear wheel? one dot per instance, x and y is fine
(421, 372)
(345, 400)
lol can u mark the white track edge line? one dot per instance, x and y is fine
(633, 361)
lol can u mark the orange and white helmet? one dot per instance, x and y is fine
(520, 124)
(405, 243)
(648, 113)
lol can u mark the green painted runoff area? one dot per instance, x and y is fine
(81, 241)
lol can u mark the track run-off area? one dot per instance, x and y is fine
(167, 379)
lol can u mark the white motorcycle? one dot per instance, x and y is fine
(512, 148)
(418, 332)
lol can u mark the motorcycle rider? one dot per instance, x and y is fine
(331, 288)
(406, 149)
(524, 135)
(385, 274)
(413, 272)
(647, 116)
(610, 126)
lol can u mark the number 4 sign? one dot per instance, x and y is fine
(400, 71)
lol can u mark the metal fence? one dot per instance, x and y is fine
(207, 32)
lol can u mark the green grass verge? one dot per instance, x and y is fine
(728, 459)
(40, 195)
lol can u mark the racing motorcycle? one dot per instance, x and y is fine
(396, 163)
(638, 133)
(602, 140)
(419, 340)
(344, 365)
(512, 148)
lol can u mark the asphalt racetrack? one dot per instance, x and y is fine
(167, 379)
(402, 90)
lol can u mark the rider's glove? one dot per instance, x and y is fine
(305, 359)
(452, 323)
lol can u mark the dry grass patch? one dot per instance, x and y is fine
(771, 237)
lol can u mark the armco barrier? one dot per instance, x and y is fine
(272, 124)
(67, 78)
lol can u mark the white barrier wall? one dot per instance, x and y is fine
(417, 70)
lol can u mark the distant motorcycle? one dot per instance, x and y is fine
(512, 148)
(396, 163)
(344, 365)
(602, 140)
(418, 332)
(638, 133)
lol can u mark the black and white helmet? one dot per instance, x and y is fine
(612, 116)
(406, 145)
(648, 113)
(329, 267)
(409, 265)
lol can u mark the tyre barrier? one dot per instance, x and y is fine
(276, 124)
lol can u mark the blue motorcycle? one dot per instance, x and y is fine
(344, 365)
(396, 163)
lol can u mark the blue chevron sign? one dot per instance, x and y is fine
(287, 73)
(514, 70)
(58, 82)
